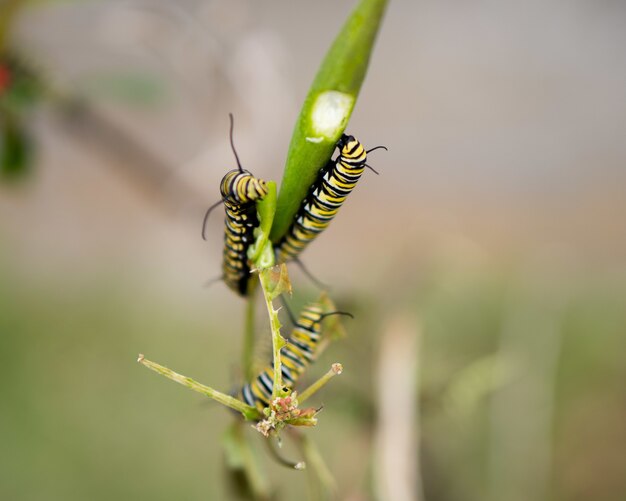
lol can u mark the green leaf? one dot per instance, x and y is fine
(232, 447)
(15, 150)
(275, 281)
(327, 108)
(23, 85)
(247, 479)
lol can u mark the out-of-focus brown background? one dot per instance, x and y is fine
(491, 249)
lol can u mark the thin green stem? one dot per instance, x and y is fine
(275, 453)
(247, 354)
(272, 282)
(247, 411)
(335, 370)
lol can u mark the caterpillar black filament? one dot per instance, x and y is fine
(240, 192)
(301, 350)
(334, 183)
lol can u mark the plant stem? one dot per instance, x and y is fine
(335, 370)
(261, 254)
(248, 338)
(247, 411)
(258, 253)
(272, 284)
(272, 448)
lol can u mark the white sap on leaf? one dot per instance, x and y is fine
(329, 114)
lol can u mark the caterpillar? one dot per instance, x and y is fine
(328, 192)
(240, 191)
(300, 352)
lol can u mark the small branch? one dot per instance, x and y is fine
(247, 411)
(273, 282)
(335, 370)
(248, 338)
(294, 465)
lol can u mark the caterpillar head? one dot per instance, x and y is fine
(347, 143)
(351, 150)
(241, 187)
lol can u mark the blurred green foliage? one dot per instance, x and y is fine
(131, 88)
(20, 91)
(15, 149)
(82, 420)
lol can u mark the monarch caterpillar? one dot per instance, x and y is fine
(240, 191)
(301, 350)
(334, 183)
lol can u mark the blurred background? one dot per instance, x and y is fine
(486, 265)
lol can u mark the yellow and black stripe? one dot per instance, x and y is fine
(240, 191)
(301, 350)
(326, 195)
